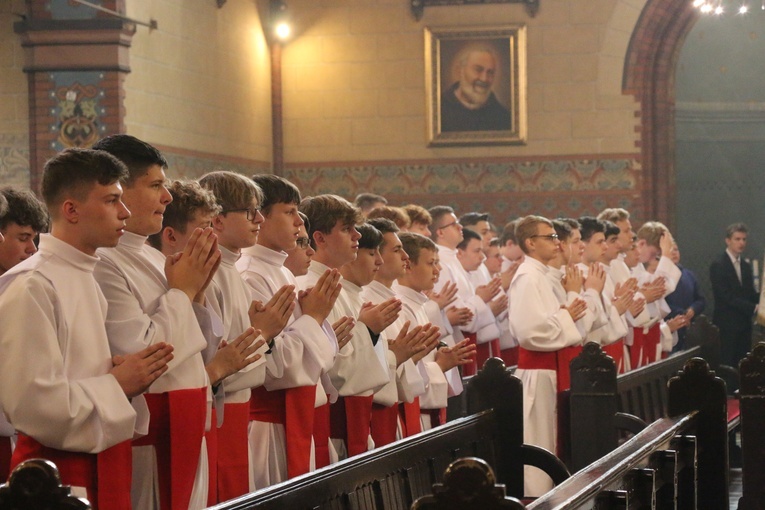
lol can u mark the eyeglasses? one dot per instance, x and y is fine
(449, 224)
(303, 242)
(551, 237)
(252, 212)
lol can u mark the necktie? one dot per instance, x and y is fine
(737, 266)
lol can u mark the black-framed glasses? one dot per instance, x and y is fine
(551, 237)
(449, 224)
(303, 242)
(251, 212)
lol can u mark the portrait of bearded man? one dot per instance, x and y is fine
(470, 104)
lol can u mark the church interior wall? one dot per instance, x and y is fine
(199, 85)
(355, 105)
(355, 109)
(14, 117)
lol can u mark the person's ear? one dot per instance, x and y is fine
(169, 238)
(217, 223)
(319, 239)
(70, 211)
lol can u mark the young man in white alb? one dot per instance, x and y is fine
(657, 272)
(439, 366)
(359, 369)
(283, 409)
(60, 387)
(22, 219)
(542, 327)
(447, 234)
(470, 253)
(153, 298)
(195, 207)
(405, 343)
(616, 298)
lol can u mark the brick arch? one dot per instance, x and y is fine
(649, 75)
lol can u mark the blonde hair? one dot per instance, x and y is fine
(527, 227)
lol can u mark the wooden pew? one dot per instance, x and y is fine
(394, 476)
(36, 485)
(752, 399)
(677, 462)
(629, 402)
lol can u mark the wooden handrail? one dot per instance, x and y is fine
(585, 484)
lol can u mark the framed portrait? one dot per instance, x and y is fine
(476, 85)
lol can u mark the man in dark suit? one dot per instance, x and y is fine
(735, 296)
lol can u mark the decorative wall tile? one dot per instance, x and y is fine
(14, 160)
(506, 189)
(76, 116)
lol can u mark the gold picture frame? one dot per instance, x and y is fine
(476, 85)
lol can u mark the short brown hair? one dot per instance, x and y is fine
(276, 190)
(137, 155)
(324, 211)
(527, 227)
(508, 233)
(74, 172)
(188, 198)
(364, 200)
(395, 214)
(418, 214)
(562, 228)
(651, 232)
(385, 226)
(232, 190)
(614, 214)
(414, 243)
(24, 209)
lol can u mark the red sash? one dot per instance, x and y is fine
(321, 435)
(509, 356)
(537, 360)
(293, 408)
(211, 440)
(176, 429)
(349, 420)
(496, 349)
(565, 356)
(471, 368)
(383, 424)
(106, 476)
(410, 417)
(5, 458)
(652, 341)
(637, 347)
(551, 360)
(233, 459)
(616, 351)
(645, 345)
(437, 416)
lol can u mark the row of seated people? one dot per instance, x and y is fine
(174, 345)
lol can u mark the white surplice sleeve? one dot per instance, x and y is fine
(88, 414)
(168, 319)
(537, 320)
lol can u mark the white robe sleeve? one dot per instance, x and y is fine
(88, 414)
(302, 351)
(409, 382)
(537, 320)
(357, 369)
(130, 329)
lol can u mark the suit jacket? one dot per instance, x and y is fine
(734, 301)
